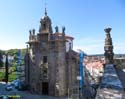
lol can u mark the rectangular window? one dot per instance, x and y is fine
(44, 59)
(53, 43)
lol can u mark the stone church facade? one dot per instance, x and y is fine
(51, 65)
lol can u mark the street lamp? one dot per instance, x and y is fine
(6, 69)
(81, 74)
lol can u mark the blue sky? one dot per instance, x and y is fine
(85, 20)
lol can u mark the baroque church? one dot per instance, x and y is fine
(51, 65)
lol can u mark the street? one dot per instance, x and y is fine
(24, 94)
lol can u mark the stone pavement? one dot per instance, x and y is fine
(121, 75)
(110, 86)
(24, 94)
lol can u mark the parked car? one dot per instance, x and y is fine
(18, 84)
(8, 87)
(15, 83)
(22, 86)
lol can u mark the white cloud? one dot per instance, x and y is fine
(87, 41)
(96, 46)
(90, 45)
(90, 49)
(11, 45)
(119, 48)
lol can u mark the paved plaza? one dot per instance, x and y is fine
(24, 94)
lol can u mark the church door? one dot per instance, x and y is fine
(45, 88)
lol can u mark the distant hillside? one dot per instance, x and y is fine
(115, 55)
(13, 52)
(97, 55)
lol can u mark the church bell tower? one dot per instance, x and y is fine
(45, 24)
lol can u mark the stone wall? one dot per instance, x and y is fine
(110, 87)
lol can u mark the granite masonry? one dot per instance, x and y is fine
(51, 65)
(110, 86)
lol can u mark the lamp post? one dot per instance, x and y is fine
(81, 73)
(6, 69)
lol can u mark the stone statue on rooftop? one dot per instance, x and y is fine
(30, 32)
(63, 29)
(56, 28)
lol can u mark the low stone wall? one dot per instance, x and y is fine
(110, 87)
